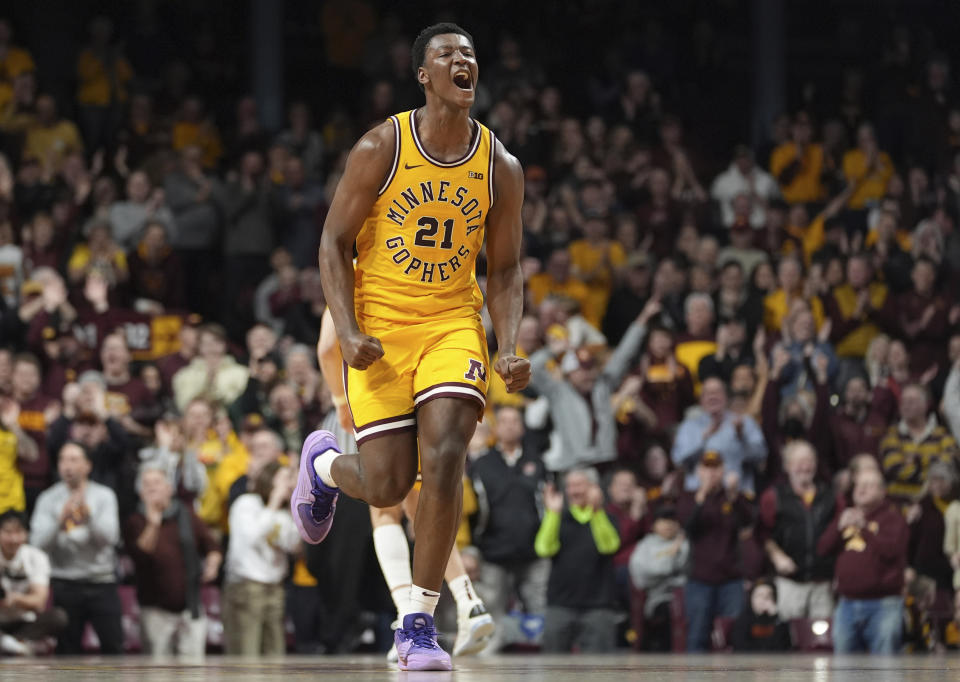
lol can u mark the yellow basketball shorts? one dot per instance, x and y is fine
(420, 363)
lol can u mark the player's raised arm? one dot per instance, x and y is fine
(504, 277)
(367, 166)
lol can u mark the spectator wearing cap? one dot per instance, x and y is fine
(778, 304)
(37, 413)
(173, 553)
(25, 616)
(913, 444)
(870, 541)
(798, 164)
(793, 515)
(579, 396)
(744, 178)
(697, 341)
(627, 300)
(596, 260)
(76, 523)
(262, 537)
(856, 308)
(736, 439)
(580, 539)
(658, 566)
(213, 374)
(761, 626)
(557, 279)
(928, 527)
(15, 446)
(713, 516)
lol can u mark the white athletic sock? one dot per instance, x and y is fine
(422, 600)
(322, 466)
(393, 553)
(463, 592)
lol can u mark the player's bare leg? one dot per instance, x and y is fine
(475, 626)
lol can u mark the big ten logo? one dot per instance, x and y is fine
(476, 370)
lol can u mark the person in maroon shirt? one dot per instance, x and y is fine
(37, 412)
(128, 400)
(860, 422)
(923, 318)
(870, 541)
(173, 553)
(667, 387)
(171, 364)
(155, 270)
(713, 517)
(41, 248)
(927, 528)
(96, 316)
(626, 504)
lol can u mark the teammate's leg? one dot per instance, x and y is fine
(393, 554)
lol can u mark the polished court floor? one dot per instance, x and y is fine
(794, 667)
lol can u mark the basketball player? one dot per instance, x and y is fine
(474, 624)
(416, 197)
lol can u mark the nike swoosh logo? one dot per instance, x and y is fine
(407, 166)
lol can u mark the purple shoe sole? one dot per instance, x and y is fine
(303, 500)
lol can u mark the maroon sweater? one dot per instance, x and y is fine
(630, 532)
(162, 576)
(851, 437)
(713, 529)
(871, 561)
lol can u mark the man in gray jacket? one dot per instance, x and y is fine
(76, 523)
(585, 429)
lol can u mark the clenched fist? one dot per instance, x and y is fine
(360, 351)
(515, 372)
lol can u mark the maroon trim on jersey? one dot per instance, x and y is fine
(396, 156)
(451, 164)
(493, 153)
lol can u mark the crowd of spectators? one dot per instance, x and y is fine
(745, 404)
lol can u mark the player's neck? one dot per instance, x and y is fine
(443, 128)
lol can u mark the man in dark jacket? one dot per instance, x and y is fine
(870, 540)
(581, 540)
(713, 517)
(507, 482)
(794, 515)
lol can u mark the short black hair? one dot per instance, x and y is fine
(14, 515)
(419, 51)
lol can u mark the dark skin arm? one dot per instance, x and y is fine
(367, 166)
(504, 278)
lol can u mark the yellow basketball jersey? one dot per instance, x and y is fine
(417, 249)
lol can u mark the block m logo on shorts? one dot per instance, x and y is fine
(476, 370)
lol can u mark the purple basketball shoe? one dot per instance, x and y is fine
(314, 503)
(417, 647)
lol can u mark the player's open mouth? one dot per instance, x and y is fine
(463, 80)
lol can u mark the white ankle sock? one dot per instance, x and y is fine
(422, 600)
(393, 553)
(322, 466)
(463, 591)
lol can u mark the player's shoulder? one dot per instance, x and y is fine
(379, 141)
(508, 172)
